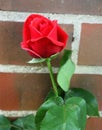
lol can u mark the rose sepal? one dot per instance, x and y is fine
(36, 60)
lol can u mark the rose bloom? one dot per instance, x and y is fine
(42, 37)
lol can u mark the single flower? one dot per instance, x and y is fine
(43, 37)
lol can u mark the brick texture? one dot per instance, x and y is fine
(23, 91)
(10, 38)
(54, 6)
(94, 124)
(90, 50)
(27, 91)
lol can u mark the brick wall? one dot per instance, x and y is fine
(23, 87)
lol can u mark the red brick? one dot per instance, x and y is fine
(28, 91)
(93, 83)
(23, 91)
(11, 36)
(93, 7)
(94, 124)
(90, 51)
(9, 96)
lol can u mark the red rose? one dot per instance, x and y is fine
(42, 37)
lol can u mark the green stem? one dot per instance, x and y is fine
(52, 76)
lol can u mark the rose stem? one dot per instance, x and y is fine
(52, 76)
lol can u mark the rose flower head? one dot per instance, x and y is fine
(42, 37)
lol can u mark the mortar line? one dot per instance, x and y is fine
(62, 18)
(23, 113)
(80, 69)
(76, 42)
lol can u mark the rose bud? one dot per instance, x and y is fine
(42, 37)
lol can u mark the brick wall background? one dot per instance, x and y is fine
(23, 87)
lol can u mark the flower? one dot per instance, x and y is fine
(43, 37)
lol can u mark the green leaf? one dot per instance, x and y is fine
(80, 102)
(26, 123)
(66, 56)
(92, 105)
(65, 73)
(4, 123)
(37, 60)
(64, 117)
(51, 93)
(44, 108)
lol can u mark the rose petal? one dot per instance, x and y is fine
(42, 25)
(26, 29)
(58, 36)
(35, 34)
(53, 33)
(31, 52)
(45, 47)
(62, 35)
